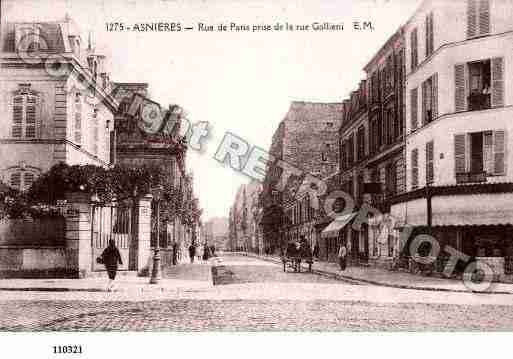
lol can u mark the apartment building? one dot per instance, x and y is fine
(385, 165)
(307, 140)
(458, 121)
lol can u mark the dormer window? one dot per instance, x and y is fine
(27, 37)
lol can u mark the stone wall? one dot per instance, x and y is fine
(35, 262)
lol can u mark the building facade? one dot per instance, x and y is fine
(458, 109)
(52, 113)
(386, 77)
(307, 141)
(245, 217)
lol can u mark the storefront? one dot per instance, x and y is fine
(478, 225)
(336, 233)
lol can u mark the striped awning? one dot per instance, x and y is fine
(338, 223)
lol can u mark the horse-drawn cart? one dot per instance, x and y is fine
(294, 256)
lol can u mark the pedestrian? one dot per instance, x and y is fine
(342, 256)
(192, 252)
(111, 257)
(206, 252)
(175, 253)
(316, 250)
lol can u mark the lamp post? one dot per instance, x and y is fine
(156, 273)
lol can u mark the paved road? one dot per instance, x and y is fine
(255, 295)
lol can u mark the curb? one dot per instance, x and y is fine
(138, 288)
(383, 284)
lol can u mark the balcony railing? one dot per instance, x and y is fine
(478, 102)
(471, 177)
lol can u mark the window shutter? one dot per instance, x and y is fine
(434, 94)
(459, 153)
(78, 128)
(30, 117)
(16, 180)
(484, 17)
(17, 122)
(414, 108)
(471, 18)
(431, 33)
(499, 151)
(429, 162)
(460, 87)
(424, 102)
(488, 161)
(427, 37)
(414, 168)
(497, 82)
(414, 49)
(28, 180)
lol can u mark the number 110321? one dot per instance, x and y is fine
(67, 349)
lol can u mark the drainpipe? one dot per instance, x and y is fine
(429, 208)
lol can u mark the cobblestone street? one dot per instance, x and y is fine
(255, 295)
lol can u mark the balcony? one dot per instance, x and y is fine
(477, 102)
(471, 177)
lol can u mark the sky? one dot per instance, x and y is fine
(241, 82)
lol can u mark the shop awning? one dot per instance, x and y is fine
(337, 224)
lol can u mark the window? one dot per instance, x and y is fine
(388, 129)
(343, 154)
(478, 18)
(414, 169)
(429, 34)
(361, 142)
(430, 99)
(25, 109)
(27, 37)
(430, 170)
(414, 108)
(16, 180)
(78, 128)
(350, 150)
(28, 179)
(96, 131)
(375, 86)
(479, 153)
(21, 180)
(390, 179)
(479, 85)
(389, 73)
(414, 49)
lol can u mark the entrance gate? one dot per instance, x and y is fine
(113, 221)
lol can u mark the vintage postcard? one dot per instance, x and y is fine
(255, 166)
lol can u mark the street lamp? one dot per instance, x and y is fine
(156, 273)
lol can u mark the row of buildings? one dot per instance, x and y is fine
(423, 139)
(244, 221)
(59, 105)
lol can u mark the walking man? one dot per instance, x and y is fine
(342, 256)
(192, 252)
(110, 258)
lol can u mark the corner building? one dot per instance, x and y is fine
(459, 155)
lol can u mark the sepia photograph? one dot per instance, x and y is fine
(244, 167)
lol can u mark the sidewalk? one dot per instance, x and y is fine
(179, 277)
(383, 277)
